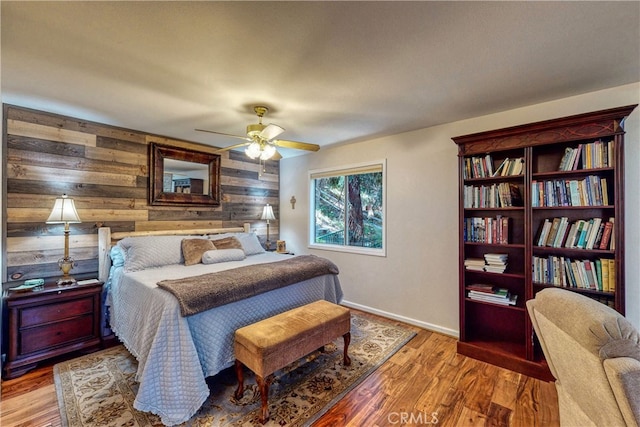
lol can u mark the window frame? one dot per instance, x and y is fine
(344, 170)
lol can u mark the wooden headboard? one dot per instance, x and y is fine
(106, 238)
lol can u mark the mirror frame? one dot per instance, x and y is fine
(157, 197)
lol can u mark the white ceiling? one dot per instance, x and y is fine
(331, 72)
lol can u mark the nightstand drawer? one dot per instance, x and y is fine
(54, 334)
(52, 312)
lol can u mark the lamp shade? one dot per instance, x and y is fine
(267, 152)
(267, 213)
(253, 150)
(63, 212)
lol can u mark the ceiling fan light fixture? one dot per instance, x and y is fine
(253, 150)
(267, 152)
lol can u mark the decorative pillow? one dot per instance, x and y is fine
(215, 237)
(222, 255)
(250, 243)
(230, 242)
(192, 250)
(151, 251)
(117, 255)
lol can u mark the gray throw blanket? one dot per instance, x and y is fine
(200, 293)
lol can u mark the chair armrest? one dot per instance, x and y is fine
(624, 377)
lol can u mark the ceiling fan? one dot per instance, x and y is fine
(260, 139)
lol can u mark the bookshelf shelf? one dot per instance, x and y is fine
(568, 174)
(517, 307)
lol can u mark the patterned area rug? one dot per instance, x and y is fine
(99, 389)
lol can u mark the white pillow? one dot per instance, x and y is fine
(250, 243)
(151, 251)
(222, 255)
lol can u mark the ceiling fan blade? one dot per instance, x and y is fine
(271, 131)
(225, 134)
(231, 147)
(297, 145)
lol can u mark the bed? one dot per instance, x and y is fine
(176, 353)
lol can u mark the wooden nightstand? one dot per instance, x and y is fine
(50, 322)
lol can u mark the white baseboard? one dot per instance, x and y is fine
(410, 321)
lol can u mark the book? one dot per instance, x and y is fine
(496, 257)
(576, 273)
(544, 232)
(589, 274)
(494, 292)
(552, 233)
(612, 240)
(566, 158)
(87, 282)
(574, 196)
(571, 279)
(574, 242)
(498, 171)
(612, 275)
(481, 287)
(504, 235)
(474, 264)
(582, 239)
(571, 235)
(593, 232)
(606, 235)
(576, 157)
(502, 301)
(562, 232)
(605, 274)
(596, 243)
(605, 191)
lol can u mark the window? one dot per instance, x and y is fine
(347, 208)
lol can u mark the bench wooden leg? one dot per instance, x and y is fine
(263, 386)
(347, 340)
(240, 375)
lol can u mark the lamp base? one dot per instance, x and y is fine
(66, 281)
(66, 264)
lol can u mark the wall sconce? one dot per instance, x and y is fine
(64, 212)
(267, 214)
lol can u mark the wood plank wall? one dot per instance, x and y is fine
(106, 171)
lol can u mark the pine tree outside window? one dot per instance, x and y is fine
(348, 209)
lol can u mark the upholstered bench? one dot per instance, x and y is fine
(273, 343)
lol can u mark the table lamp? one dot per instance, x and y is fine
(64, 212)
(267, 214)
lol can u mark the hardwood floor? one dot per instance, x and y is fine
(424, 383)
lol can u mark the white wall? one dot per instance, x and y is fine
(418, 280)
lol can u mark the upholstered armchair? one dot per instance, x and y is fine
(593, 353)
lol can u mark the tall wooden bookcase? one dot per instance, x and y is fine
(504, 212)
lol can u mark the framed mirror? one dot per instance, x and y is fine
(183, 177)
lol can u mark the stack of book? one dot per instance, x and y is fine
(475, 264)
(493, 294)
(495, 263)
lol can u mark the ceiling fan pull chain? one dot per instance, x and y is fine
(263, 168)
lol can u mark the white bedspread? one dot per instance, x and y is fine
(175, 354)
